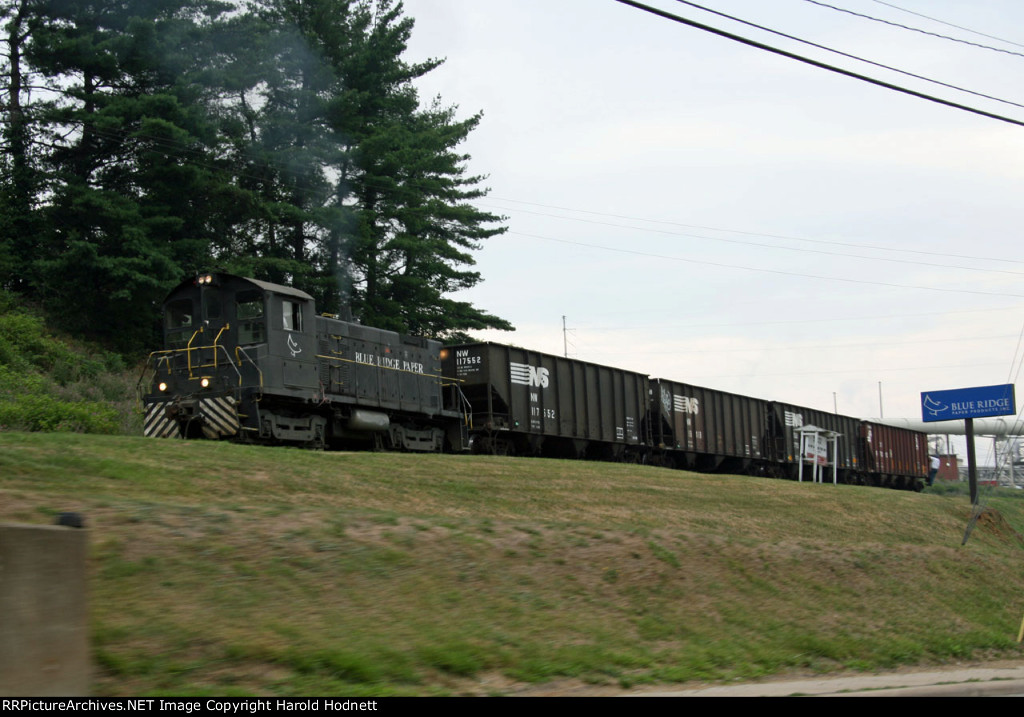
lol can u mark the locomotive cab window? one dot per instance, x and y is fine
(249, 313)
(178, 320)
(292, 311)
(211, 304)
(179, 314)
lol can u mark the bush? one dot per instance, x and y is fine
(45, 413)
(47, 384)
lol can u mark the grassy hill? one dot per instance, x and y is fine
(224, 569)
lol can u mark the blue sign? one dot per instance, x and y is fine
(960, 403)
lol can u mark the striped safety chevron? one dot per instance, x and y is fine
(158, 424)
(218, 416)
(221, 417)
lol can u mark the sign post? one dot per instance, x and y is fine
(968, 404)
(972, 468)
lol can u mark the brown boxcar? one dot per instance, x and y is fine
(705, 429)
(894, 457)
(532, 403)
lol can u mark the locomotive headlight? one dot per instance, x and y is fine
(162, 387)
(204, 382)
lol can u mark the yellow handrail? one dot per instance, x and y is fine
(215, 340)
(165, 355)
(188, 350)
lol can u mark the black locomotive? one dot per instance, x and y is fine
(252, 361)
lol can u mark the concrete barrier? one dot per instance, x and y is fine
(44, 622)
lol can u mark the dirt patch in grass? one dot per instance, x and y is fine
(996, 524)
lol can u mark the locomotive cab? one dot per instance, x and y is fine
(221, 336)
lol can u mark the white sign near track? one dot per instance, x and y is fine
(815, 448)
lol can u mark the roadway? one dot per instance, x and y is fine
(1000, 679)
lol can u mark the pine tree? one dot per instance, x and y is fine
(402, 226)
(419, 226)
(130, 168)
(19, 173)
(279, 142)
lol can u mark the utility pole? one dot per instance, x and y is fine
(565, 338)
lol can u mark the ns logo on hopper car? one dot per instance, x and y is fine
(686, 404)
(526, 375)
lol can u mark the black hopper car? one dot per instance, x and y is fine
(251, 361)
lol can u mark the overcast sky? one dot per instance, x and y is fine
(709, 212)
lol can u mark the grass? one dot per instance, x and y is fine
(223, 569)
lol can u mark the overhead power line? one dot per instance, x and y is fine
(874, 318)
(846, 54)
(781, 272)
(1002, 260)
(816, 63)
(787, 346)
(914, 29)
(943, 22)
(803, 250)
(1016, 353)
(872, 370)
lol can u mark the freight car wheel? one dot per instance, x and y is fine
(504, 447)
(633, 457)
(492, 446)
(662, 460)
